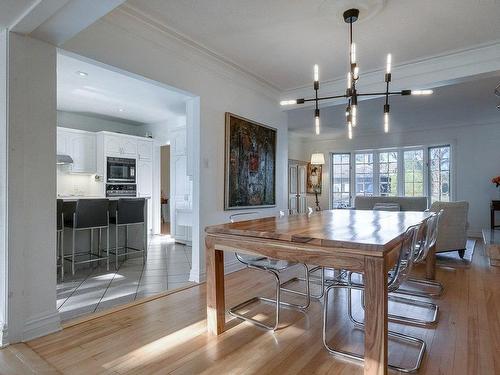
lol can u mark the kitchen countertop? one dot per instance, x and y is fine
(68, 198)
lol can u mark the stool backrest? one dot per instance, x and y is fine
(130, 210)
(243, 216)
(406, 257)
(91, 213)
(59, 211)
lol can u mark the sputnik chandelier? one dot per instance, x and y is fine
(351, 94)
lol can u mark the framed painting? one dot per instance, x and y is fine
(314, 172)
(250, 164)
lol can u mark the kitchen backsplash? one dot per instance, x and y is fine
(77, 184)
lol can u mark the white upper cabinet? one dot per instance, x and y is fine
(81, 146)
(178, 141)
(120, 145)
(145, 178)
(145, 150)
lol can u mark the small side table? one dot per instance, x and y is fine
(495, 206)
(491, 239)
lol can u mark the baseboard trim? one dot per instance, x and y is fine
(229, 267)
(41, 325)
(4, 335)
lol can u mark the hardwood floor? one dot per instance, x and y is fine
(168, 335)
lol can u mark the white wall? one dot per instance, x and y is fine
(476, 157)
(31, 188)
(126, 42)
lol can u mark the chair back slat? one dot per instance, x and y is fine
(407, 252)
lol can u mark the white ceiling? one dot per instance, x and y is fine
(110, 94)
(468, 103)
(280, 40)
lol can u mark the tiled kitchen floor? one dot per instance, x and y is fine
(95, 289)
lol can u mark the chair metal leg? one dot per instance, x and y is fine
(126, 242)
(417, 293)
(91, 244)
(145, 249)
(99, 241)
(234, 310)
(308, 272)
(62, 254)
(73, 253)
(107, 247)
(391, 334)
(116, 246)
(395, 318)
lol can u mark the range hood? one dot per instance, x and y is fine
(64, 160)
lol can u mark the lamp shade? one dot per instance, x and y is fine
(318, 158)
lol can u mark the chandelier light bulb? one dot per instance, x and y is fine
(349, 80)
(288, 102)
(354, 113)
(316, 124)
(349, 130)
(386, 122)
(355, 73)
(353, 53)
(389, 62)
(421, 92)
(316, 73)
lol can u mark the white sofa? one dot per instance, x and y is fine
(404, 203)
(453, 225)
(452, 231)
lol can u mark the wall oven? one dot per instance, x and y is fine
(121, 170)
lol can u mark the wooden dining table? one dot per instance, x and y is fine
(355, 240)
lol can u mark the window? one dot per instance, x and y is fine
(388, 173)
(409, 171)
(364, 174)
(439, 173)
(341, 180)
(413, 172)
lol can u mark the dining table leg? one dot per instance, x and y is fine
(376, 326)
(216, 310)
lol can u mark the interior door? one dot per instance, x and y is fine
(292, 187)
(302, 188)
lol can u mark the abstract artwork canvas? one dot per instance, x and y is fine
(250, 173)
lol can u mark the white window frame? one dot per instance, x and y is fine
(401, 182)
(332, 154)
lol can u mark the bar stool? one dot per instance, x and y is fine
(129, 211)
(59, 235)
(89, 214)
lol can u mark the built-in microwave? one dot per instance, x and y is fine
(120, 170)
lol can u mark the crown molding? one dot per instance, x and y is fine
(327, 138)
(196, 47)
(440, 70)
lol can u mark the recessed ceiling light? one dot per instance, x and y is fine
(121, 109)
(82, 74)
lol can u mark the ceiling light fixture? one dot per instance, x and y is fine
(121, 110)
(82, 74)
(351, 94)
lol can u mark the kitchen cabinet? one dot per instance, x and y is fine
(145, 150)
(81, 146)
(117, 145)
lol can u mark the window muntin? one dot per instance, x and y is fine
(341, 180)
(413, 167)
(439, 173)
(364, 173)
(388, 173)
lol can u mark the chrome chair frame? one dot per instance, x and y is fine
(97, 256)
(273, 270)
(400, 272)
(116, 253)
(428, 244)
(60, 247)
